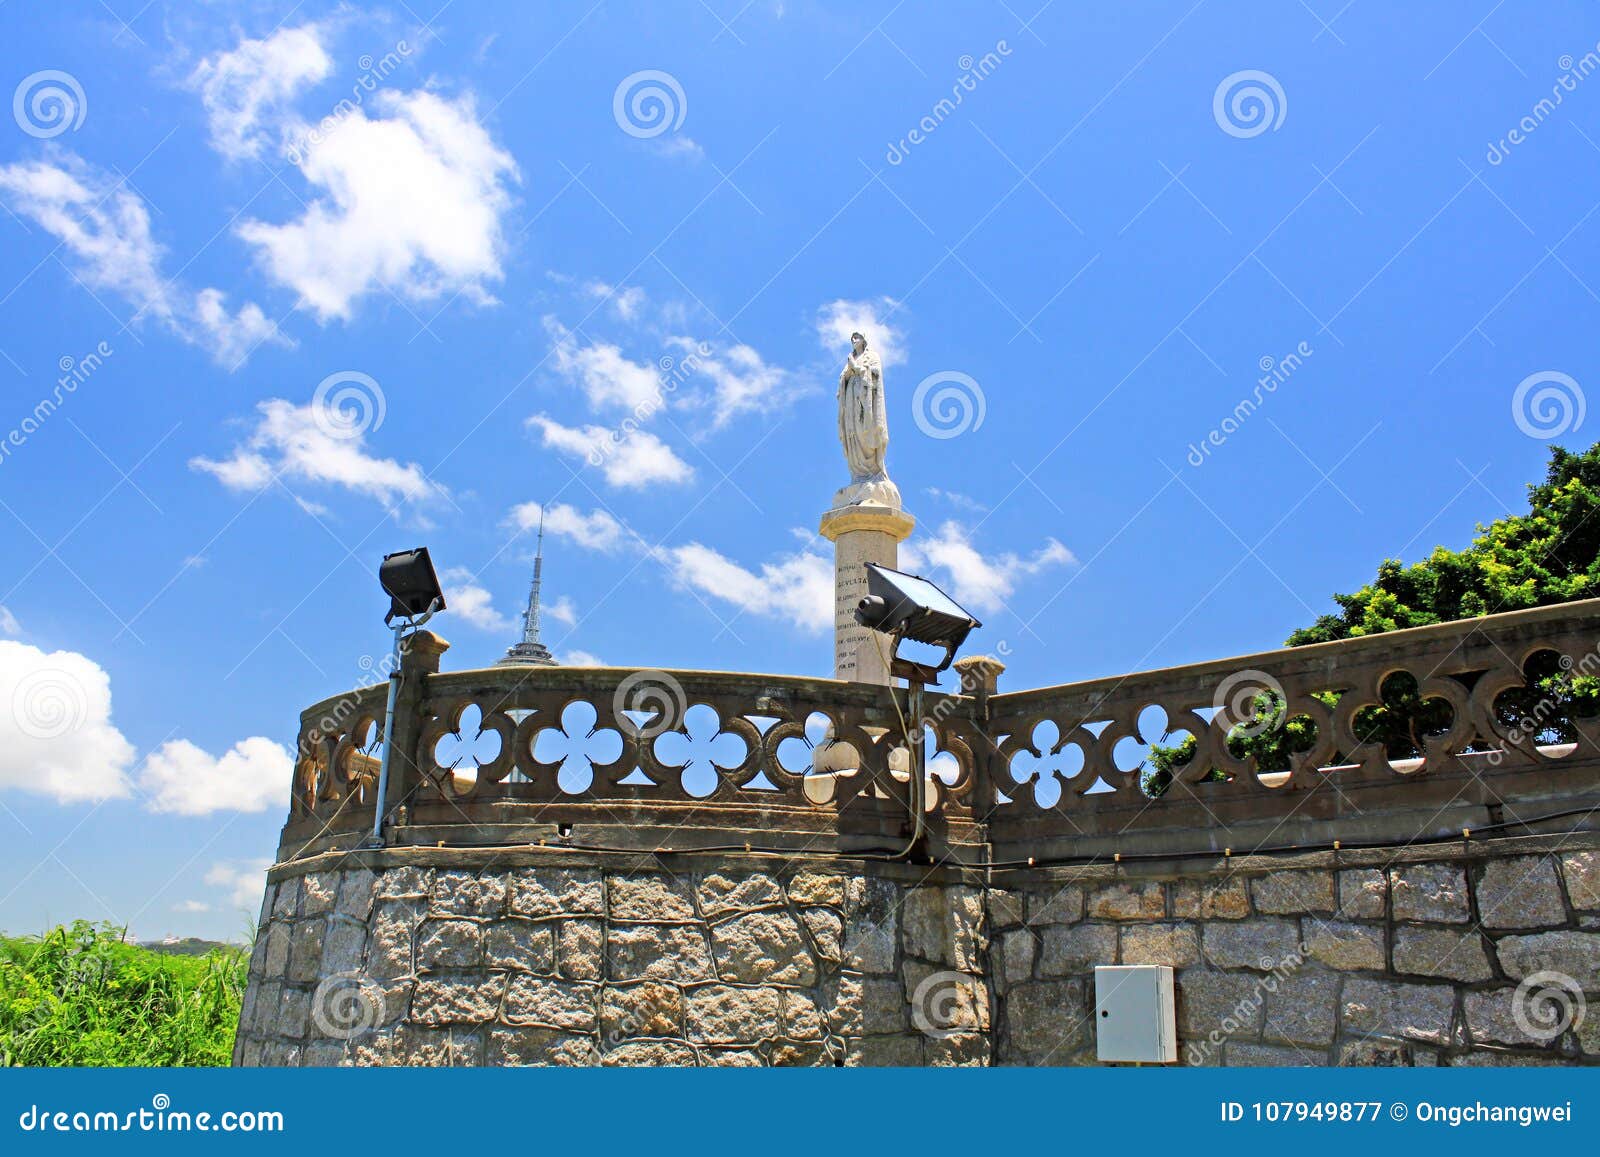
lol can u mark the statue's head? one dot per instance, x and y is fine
(858, 341)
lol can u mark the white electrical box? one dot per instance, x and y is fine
(1134, 1015)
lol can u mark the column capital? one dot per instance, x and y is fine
(897, 524)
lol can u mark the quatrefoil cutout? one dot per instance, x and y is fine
(1051, 768)
(462, 752)
(700, 751)
(577, 745)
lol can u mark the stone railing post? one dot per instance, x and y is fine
(980, 678)
(419, 658)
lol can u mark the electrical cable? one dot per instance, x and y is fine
(892, 855)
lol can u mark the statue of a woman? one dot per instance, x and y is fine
(864, 429)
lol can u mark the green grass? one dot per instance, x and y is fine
(79, 995)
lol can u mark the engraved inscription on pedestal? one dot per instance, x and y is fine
(860, 534)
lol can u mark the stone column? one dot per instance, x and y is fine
(860, 534)
(419, 659)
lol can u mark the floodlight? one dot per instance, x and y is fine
(907, 606)
(414, 596)
(408, 579)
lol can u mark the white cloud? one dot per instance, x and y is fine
(306, 444)
(596, 531)
(56, 734)
(957, 499)
(57, 740)
(562, 611)
(471, 602)
(679, 146)
(233, 336)
(8, 622)
(410, 199)
(245, 881)
(838, 319)
(581, 659)
(627, 303)
(105, 229)
(631, 458)
(607, 378)
(255, 83)
(253, 775)
(741, 381)
(977, 582)
(797, 589)
(191, 906)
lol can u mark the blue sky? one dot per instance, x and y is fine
(335, 280)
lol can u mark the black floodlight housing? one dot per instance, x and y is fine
(907, 606)
(408, 579)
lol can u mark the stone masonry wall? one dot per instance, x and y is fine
(1335, 958)
(573, 965)
(1352, 958)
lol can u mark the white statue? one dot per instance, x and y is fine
(864, 430)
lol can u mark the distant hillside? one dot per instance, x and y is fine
(187, 946)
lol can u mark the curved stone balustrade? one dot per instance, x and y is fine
(1482, 768)
(687, 757)
(612, 757)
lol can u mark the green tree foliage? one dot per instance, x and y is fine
(79, 995)
(1551, 554)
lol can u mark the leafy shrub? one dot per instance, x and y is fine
(80, 995)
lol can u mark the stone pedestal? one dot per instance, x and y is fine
(860, 534)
